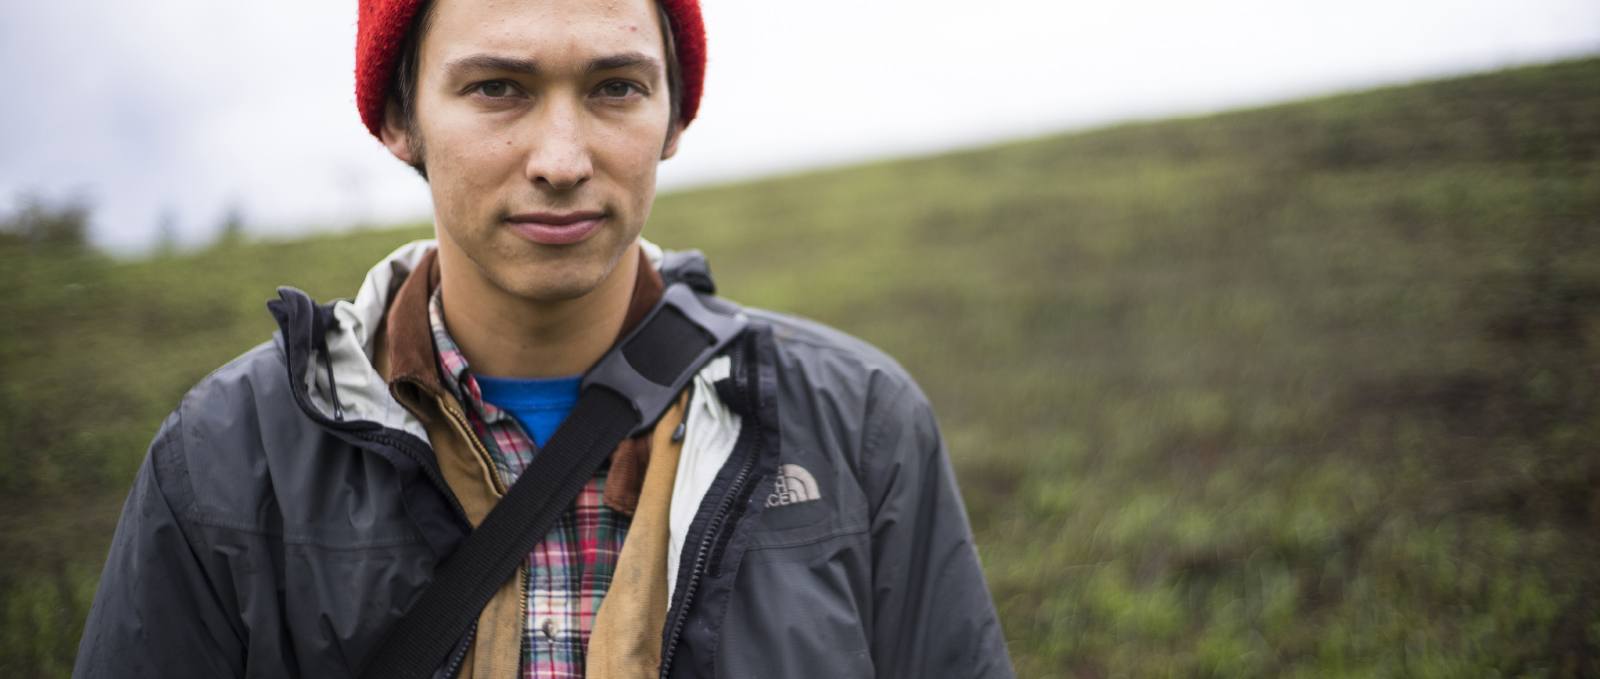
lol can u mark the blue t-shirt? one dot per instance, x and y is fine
(539, 404)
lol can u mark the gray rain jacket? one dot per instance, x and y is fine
(264, 537)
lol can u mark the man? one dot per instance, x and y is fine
(792, 514)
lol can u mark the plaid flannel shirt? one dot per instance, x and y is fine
(567, 574)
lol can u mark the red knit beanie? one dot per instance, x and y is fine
(382, 24)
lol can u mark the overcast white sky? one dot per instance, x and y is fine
(177, 109)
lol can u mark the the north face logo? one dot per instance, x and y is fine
(793, 485)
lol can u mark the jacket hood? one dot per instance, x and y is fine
(330, 346)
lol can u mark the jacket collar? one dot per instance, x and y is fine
(414, 379)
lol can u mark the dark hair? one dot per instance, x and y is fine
(403, 89)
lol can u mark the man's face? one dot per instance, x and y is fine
(541, 123)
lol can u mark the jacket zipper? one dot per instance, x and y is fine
(432, 472)
(714, 528)
(453, 666)
(464, 430)
(522, 603)
(459, 420)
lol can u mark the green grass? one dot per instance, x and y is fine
(1306, 390)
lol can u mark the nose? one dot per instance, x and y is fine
(559, 158)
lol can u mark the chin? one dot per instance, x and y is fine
(553, 293)
(557, 279)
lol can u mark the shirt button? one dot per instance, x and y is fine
(548, 627)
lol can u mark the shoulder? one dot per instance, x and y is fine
(209, 454)
(240, 397)
(240, 386)
(831, 359)
(806, 351)
(838, 392)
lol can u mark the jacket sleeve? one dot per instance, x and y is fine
(932, 612)
(156, 613)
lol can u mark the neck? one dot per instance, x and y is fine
(504, 335)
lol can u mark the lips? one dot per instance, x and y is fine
(556, 228)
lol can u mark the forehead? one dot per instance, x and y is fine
(546, 30)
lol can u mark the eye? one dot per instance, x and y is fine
(494, 89)
(619, 89)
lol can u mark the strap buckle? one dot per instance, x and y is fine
(648, 397)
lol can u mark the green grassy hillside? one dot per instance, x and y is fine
(1307, 390)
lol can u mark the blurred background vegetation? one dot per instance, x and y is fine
(1305, 390)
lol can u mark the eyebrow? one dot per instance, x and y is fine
(491, 62)
(624, 60)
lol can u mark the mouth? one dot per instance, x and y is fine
(556, 228)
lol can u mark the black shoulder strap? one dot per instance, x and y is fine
(623, 395)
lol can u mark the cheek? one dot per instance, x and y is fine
(632, 154)
(466, 165)
(476, 154)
